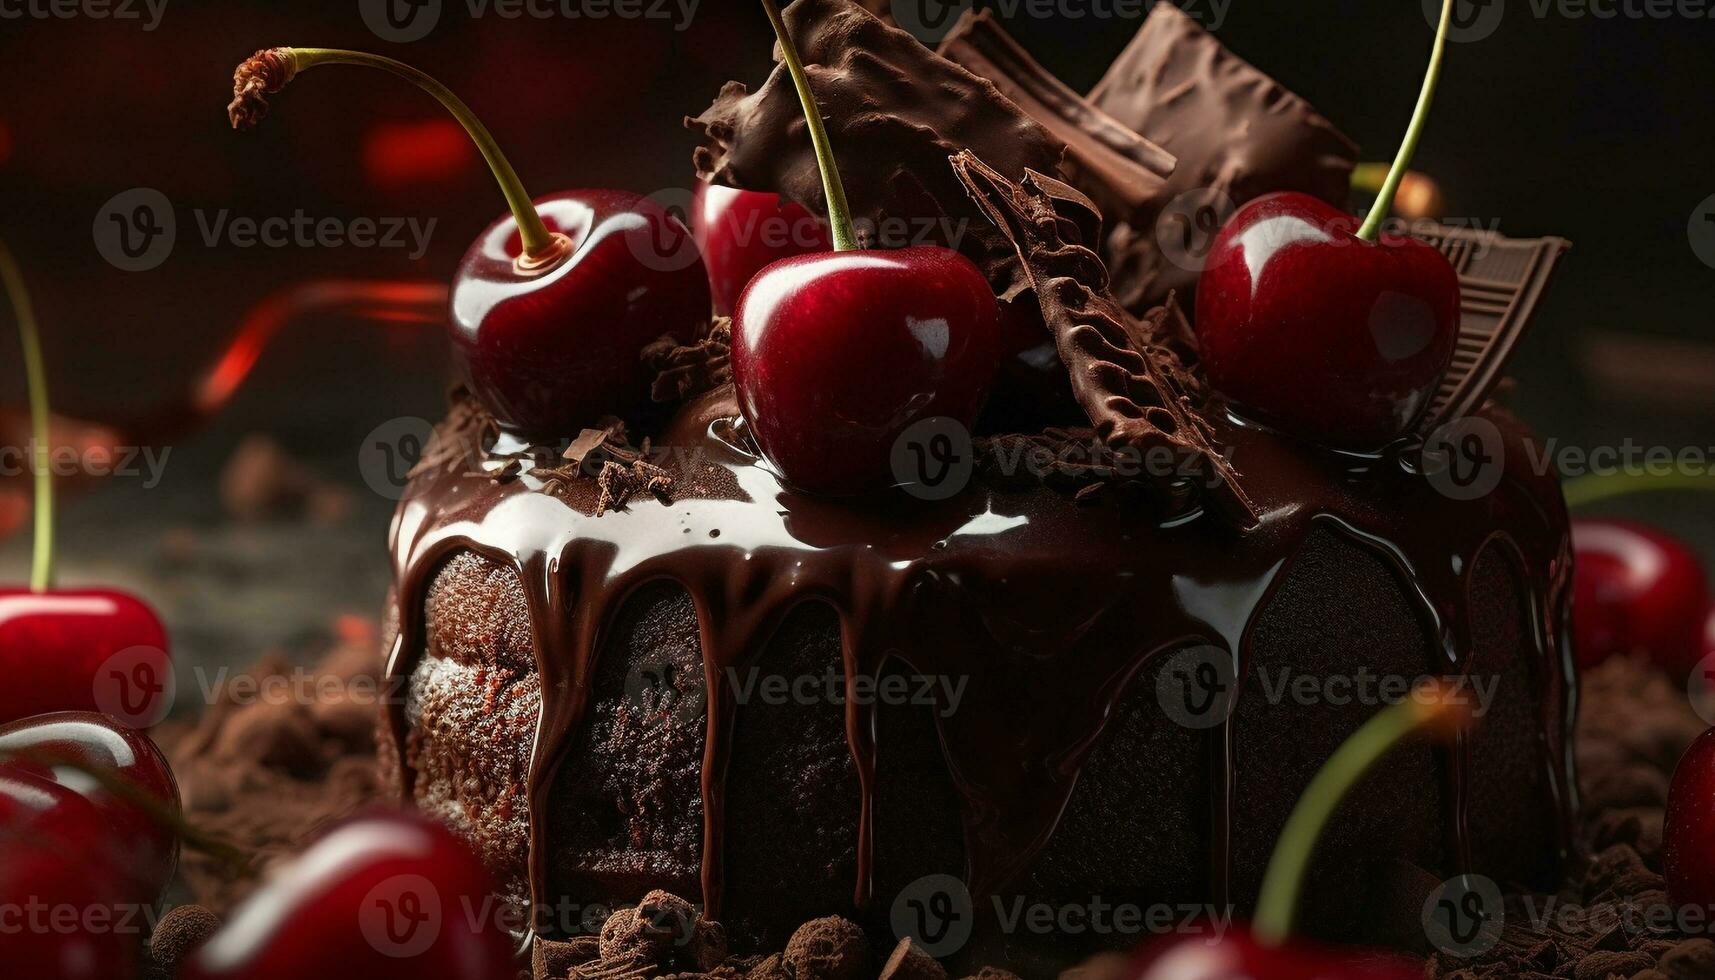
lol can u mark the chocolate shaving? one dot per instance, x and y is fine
(684, 371)
(1235, 132)
(1125, 373)
(894, 111)
(459, 438)
(262, 74)
(1501, 280)
(619, 482)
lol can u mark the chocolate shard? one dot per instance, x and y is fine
(1122, 171)
(1236, 133)
(1125, 372)
(1501, 281)
(895, 112)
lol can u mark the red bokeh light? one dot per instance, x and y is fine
(403, 154)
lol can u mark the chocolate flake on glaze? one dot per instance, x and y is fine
(1501, 280)
(1046, 666)
(1125, 373)
(895, 111)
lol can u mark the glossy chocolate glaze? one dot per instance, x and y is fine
(1050, 606)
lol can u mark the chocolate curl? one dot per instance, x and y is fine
(1501, 281)
(895, 112)
(262, 74)
(1125, 372)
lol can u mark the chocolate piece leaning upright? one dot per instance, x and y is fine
(1125, 374)
(896, 112)
(1501, 280)
(1237, 134)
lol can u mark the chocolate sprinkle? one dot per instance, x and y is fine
(1126, 373)
(895, 111)
(686, 371)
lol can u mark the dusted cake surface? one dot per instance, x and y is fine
(1056, 774)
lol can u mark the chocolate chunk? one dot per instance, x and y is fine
(663, 931)
(1236, 132)
(1501, 280)
(1125, 372)
(909, 962)
(179, 933)
(683, 371)
(1120, 170)
(829, 948)
(1691, 958)
(895, 111)
(550, 960)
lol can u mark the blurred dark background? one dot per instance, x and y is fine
(1564, 122)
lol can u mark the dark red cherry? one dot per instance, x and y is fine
(1688, 830)
(1305, 326)
(550, 352)
(69, 913)
(740, 233)
(66, 747)
(1237, 955)
(380, 897)
(91, 650)
(1637, 590)
(835, 355)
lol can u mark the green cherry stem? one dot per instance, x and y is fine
(839, 212)
(1413, 133)
(1597, 487)
(36, 375)
(1431, 706)
(269, 71)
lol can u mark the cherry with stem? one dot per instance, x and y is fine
(553, 303)
(835, 355)
(64, 650)
(1334, 335)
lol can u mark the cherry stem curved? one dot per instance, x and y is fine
(536, 237)
(839, 211)
(1413, 132)
(1283, 883)
(36, 375)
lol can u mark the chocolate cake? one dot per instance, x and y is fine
(588, 632)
